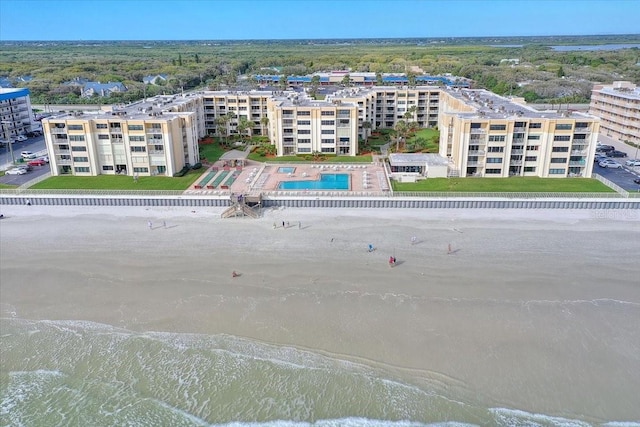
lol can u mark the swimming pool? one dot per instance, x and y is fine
(327, 181)
(286, 170)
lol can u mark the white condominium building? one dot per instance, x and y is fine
(16, 114)
(481, 134)
(618, 107)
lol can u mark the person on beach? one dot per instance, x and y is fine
(282, 224)
(414, 239)
(449, 250)
(299, 225)
(164, 224)
(150, 224)
(234, 274)
(370, 247)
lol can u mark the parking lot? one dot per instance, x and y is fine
(35, 145)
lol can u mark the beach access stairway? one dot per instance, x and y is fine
(240, 208)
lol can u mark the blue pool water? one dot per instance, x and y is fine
(328, 181)
(286, 170)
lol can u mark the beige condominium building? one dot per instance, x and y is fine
(151, 137)
(618, 107)
(483, 134)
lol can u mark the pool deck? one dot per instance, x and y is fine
(264, 177)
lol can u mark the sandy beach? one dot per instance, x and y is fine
(534, 310)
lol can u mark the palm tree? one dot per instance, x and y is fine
(315, 83)
(221, 127)
(400, 131)
(366, 125)
(244, 124)
(264, 122)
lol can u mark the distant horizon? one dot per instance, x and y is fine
(242, 20)
(337, 38)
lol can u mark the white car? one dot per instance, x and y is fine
(610, 164)
(21, 138)
(16, 171)
(632, 162)
(28, 155)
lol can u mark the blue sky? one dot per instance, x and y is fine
(304, 19)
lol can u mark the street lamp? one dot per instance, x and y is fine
(8, 138)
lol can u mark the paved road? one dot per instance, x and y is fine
(32, 144)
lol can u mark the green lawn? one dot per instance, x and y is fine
(300, 159)
(211, 152)
(506, 185)
(114, 182)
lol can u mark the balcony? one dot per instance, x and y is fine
(517, 151)
(475, 163)
(577, 163)
(478, 131)
(476, 152)
(582, 130)
(578, 152)
(519, 129)
(515, 163)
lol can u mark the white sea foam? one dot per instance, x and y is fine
(516, 418)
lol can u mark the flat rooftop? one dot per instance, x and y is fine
(489, 105)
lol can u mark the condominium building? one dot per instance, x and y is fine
(618, 107)
(483, 134)
(146, 138)
(16, 114)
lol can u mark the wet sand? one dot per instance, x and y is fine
(533, 310)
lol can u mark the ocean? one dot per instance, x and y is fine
(73, 373)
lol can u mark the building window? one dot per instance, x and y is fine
(562, 138)
(76, 127)
(558, 160)
(493, 171)
(81, 159)
(304, 122)
(101, 125)
(564, 126)
(531, 158)
(304, 131)
(158, 147)
(304, 141)
(327, 113)
(533, 147)
(535, 125)
(107, 168)
(344, 139)
(328, 122)
(476, 125)
(141, 170)
(494, 160)
(497, 127)
(103, 136)
(136, 149)
(557, 171)
(328, 141)
(327, 150)
(136, 138)
(304, 149)
(77, 138)
(81, 169)
(496, 138)
(136, 127)
(495, 149)
(304, 113)
(327, 131)
(529, 168)
(560, 149)
(533, 137)
(76, 148)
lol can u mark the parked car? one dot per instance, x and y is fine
(16, 171)
(37, 162)
(637, 180)
(26, 167)
(28, 155)
(33, 133)
(599, 157)
(610, 165)
(45, 159)
(605, 148)
(632, 162)
(21, 138)
(616, 153)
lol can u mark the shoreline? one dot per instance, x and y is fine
(524, 300)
